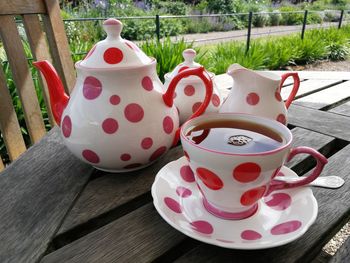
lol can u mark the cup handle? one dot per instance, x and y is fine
(321, 162)
(296, 85)
(168, 97)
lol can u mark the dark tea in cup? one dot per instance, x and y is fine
(235, 136)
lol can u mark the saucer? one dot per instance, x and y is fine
(282, 217)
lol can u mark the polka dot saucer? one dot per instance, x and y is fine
(281, 217)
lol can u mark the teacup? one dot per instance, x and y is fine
(235, 158)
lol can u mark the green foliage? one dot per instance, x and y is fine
(289, 18)
(337, 52)
(275, 18)
(261, 19)
(174, 8)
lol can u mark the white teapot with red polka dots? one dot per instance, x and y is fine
(190, 91)
(117, 117)
(258, 93)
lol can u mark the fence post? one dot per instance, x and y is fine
(341, 19)
(304, 25)
(250, 18)
(157, 27)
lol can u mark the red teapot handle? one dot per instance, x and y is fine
(296, 85)
(168, 96)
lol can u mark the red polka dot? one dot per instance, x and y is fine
(246, 172)
(196, 106)
(278, 96)
(215, 100)
(252, 195)
(157, 153)
(90, 52)
(286, 227)
(147, 83)
(250, 235)
(281, 118)
(133, 112)
(168, 125)
(91, 156)
(202, 226)
(183, 191)
(278, 201)
(187, 156)
(210, 179)
(252, 98)
(189, 90)
(132, 166)
(173, 205)
(146, 143)
(183, 68)
(125, 157)
(187, 174)
(113, 55)
(114, 99)
(92, 88)
(66, 126)
(110, 126)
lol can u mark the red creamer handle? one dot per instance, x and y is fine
(168, 96)
(296, 85)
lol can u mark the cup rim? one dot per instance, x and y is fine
(281, 128)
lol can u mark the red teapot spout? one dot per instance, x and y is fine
(58, 98)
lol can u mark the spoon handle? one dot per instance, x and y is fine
(324, 181)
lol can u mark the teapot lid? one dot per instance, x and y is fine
(114, 51)
(189, 56)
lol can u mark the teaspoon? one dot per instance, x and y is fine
(324, 181)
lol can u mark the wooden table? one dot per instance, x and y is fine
(54, 208)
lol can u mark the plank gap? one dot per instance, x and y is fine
(327, 150)
(177, 251)
(336, 104)
(81, 230)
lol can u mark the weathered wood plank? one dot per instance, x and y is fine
(307, 87)
(333, 210)
(21, 7)
(22, 77)
(114, 190)
(10, 130)
(336, 75)
(56, 36)
(326, 97)
(343, 109)
(140, 236)
(343, 253)
(36, 192)
(320, 121)
(1, 164)
(37, 41)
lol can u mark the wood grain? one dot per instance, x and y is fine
(22, 77)
(110, 191)
(328, 123)
(326, 97)
(307, 87)
(333, 211)
(336, 75)
(36, 192)
(140, 236)
(2, 167)
(37, 41)
(343, 109)
(21, 7)
(10, 130)
(57, 39)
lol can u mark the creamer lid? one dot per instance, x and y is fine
(114, 51)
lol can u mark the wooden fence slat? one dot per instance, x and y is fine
(22, 7)
(1, 164)
(22, 77)
(58, 43)
(37, 41)
(9, 126)
(326, 97)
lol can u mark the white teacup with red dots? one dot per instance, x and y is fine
(235, 158)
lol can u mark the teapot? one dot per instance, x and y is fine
(117, 118)
(259, 93)
(190, 91)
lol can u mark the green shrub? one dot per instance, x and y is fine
(291, 18)
(260, 19)
(314, 18)
(275, 18)
(174, 8)
(337, 52)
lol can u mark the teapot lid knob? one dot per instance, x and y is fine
(113, 28)
(189, 55)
